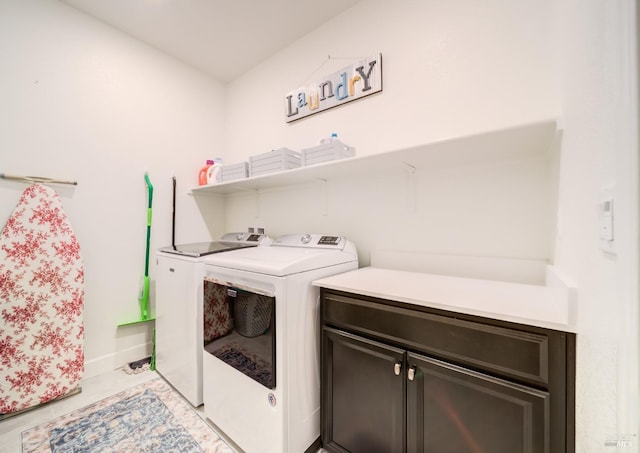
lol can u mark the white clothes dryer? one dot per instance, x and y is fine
(178, 303)
(261, 361)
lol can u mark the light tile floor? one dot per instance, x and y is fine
(93, 389)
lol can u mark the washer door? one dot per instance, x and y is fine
(240, 329)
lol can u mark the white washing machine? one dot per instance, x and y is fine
(261, 361)
(178, 336)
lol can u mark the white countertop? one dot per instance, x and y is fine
(532, 305)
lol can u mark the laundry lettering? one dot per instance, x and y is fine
(353, 82)
(367, 87)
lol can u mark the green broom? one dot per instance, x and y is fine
(143, 297)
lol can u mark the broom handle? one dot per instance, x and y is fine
(149, 211)
(173, 218)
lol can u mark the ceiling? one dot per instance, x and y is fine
(223, 38)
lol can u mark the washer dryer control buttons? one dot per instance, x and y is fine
(305, 239)
(329, 240)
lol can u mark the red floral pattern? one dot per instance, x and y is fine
(41, 303)
(217, 317)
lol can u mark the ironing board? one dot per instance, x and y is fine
(41, 303)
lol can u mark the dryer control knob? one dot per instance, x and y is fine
(306, 238)
(239, 236)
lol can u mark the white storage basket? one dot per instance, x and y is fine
(273, 161)
(333, 150)
(234, 171)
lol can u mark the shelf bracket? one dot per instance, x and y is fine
(323, 196)
(411, 186)
(257, 192)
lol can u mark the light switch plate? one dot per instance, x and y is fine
(606, 219)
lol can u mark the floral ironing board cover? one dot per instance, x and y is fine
(41, 303)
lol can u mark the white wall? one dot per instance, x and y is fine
(599, 98)
(496, 209)
(80, 101)
(454, 68)
(447, 71)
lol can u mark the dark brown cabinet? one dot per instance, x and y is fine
(367, 404)
(399, 378)
(454, 409)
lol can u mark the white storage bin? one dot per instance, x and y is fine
(235, 171)
(333, 150)
(273, 161)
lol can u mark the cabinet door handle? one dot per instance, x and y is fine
(411, 373)
(397, 368)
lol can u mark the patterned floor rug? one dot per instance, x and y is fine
(150, 417)
(249, 364)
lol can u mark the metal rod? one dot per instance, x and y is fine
(39, 179)
(173, 216)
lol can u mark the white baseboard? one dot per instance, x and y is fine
(110, 362)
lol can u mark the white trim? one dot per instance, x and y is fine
(628, 199)
(110, 362)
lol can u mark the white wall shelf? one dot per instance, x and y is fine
(518, 142)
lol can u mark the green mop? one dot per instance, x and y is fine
(143, 298)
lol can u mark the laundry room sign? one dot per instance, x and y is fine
(348, 84)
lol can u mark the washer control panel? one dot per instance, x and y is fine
(311, 241)
(243, 238)
(329, 240)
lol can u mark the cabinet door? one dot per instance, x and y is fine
(455, 410)
(363, 395)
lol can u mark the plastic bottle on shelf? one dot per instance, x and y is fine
(331, 138)
(214, 173)
(202, 174)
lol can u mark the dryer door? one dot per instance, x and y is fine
(240, 329)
